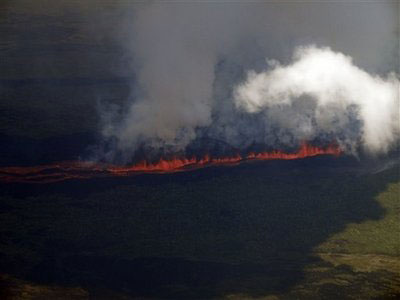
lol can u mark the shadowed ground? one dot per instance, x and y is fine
(318, 228)
(248, 230)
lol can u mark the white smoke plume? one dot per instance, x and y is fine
(338, 88)
(190, 62)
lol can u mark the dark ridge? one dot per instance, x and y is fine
(24, 151)
(76, 81)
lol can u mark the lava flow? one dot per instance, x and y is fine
(83, 170)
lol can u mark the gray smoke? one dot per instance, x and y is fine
(202, 72)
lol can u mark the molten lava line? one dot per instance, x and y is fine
(81, 170)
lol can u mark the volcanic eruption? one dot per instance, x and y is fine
(198, 76)
(85, 170)
(321, 96)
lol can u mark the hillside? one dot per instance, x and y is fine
(317, 227)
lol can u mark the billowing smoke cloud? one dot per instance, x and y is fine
(176, 73)
(192, 60)
(340, 92)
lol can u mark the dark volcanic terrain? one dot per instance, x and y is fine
(316, 228)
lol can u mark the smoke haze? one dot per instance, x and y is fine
(226, 72)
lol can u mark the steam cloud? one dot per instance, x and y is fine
(339, 93)
(192, 65)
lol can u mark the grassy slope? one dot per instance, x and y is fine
(222, 219)
(374, 236)
(238, 217)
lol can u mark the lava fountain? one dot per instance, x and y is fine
(84, 169)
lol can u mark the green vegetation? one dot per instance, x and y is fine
(373, 236)
(273, 230)
(276, 229)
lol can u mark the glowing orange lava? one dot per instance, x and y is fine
(80, 170)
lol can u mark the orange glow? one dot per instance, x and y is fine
(81, 170)
(304, 151)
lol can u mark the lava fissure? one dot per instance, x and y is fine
(85, 170)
